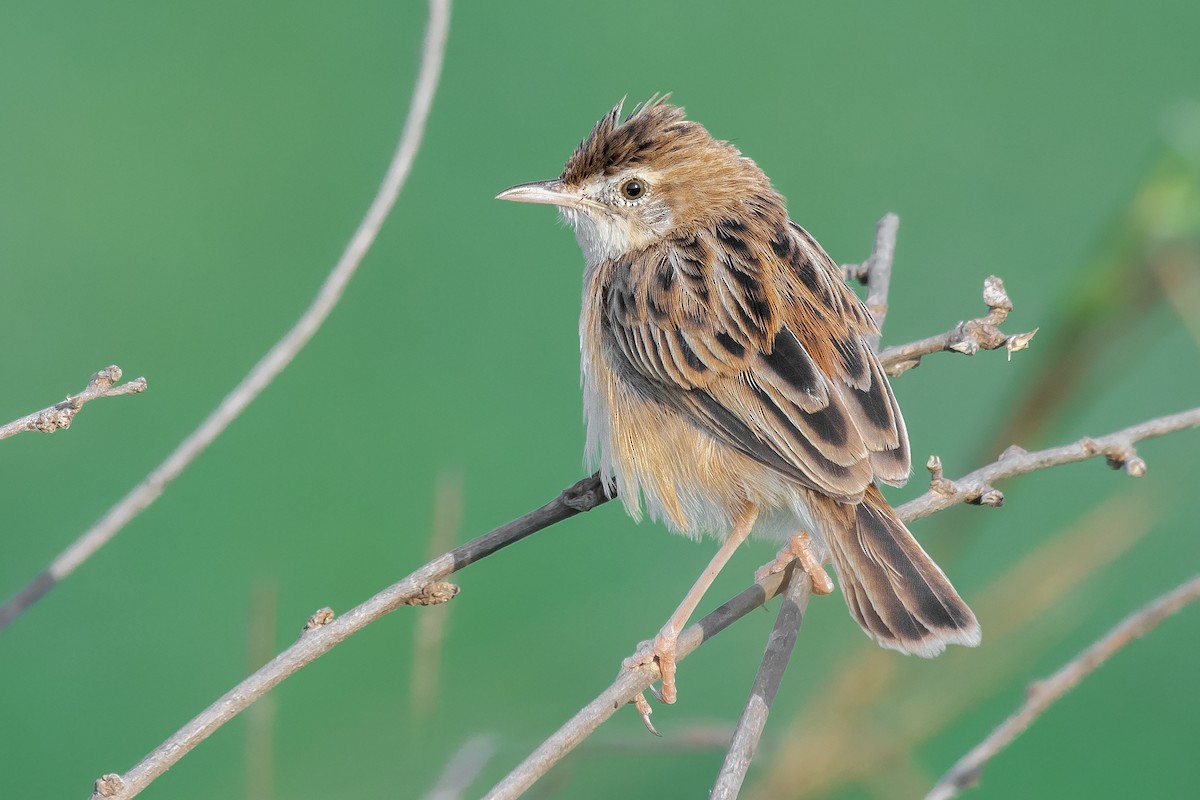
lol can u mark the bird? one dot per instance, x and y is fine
(729, 386)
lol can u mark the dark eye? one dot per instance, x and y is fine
(633, 189)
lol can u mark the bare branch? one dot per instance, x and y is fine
(1042, 694)
(976, 487)
(59, 416)
(876, 271)
(284, 351)
(965, 337)
(766, 683)
(323, 632)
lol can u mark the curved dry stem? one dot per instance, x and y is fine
(59, 416)
(1044, 693)
(279, 356)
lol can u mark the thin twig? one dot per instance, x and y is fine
(284, 351)
(629, 684)
(766, 683)
(876, 272)
(1042, 694)
(967, 338)
(59, 416)
(324, 632)
(976, 487)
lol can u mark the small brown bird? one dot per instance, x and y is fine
(727, 379)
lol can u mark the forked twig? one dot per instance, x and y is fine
(976, 487)
(105, 383)
(967, 338)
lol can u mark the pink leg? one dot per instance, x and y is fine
(663, 649)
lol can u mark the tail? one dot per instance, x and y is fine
(898, 595)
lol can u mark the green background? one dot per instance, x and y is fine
(176, 180)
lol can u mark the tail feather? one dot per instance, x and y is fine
(895, 591)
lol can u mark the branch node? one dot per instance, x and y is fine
(105, 378)
(1013, 451)
(109, 785)
(937, 481)
(934, 465)
(433, 594)
(856, 272)
(587, 494)
(1125, 457)
(966, 345)
(898, 368)
(320, 618)
(995, 296)
(1019, 341)
(990, 496)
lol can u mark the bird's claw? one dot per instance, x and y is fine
(799, 547)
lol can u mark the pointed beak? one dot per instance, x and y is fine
(549, 192)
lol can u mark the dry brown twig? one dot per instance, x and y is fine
(976, 487)
(280, 355)
(967, 338)
(105, 383)
(1042, 694)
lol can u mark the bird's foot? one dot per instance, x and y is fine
(799, 547)
(660, 651)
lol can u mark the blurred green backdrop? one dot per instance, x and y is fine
(175, 181)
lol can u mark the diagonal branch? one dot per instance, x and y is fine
(59, 416)
(324, 632)
(976, 487)
(1042, 694)
(279, 356)
(766, 683)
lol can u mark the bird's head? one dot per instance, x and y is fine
(630, 184)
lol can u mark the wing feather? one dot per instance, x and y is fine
(765, 349)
